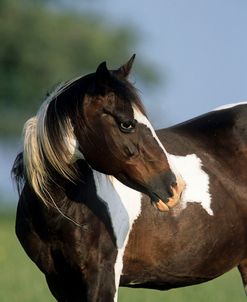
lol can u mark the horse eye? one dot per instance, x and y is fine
(127, 126)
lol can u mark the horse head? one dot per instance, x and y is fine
(116, 138)
(100, 118)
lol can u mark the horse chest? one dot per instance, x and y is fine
(124, 206)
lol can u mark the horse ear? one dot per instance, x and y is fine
(102, 73)
(125, 69)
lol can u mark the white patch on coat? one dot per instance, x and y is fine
(188, 167)
(227, 106)
(196, 181)
(124, 206)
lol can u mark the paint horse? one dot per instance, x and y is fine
(92, 163)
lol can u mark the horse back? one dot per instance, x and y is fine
(220, 129)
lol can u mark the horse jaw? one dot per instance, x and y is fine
(163, 206)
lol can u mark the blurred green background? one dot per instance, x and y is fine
(20, 280)
(42, 44)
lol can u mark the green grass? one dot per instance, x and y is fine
(21, 281)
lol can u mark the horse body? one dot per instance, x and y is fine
(97, 231)
(188, 245)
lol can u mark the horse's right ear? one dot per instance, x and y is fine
(125, 69)
(102, 74)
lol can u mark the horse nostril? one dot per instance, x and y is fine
(170, 189)
(174, 184)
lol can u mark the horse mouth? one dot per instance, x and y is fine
(160, 205)
(166, 206)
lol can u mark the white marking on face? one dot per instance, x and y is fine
(227, 106)
(124, 206)
(196, 181)
(142, 119)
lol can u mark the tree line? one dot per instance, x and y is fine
(42, 45)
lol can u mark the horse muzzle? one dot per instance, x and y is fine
(167, 197)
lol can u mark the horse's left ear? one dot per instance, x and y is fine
(125, 69)
(102, 72)
(102, 77)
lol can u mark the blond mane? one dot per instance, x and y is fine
(42, 155)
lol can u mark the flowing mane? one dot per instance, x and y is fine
(50, 145)
(41, 156)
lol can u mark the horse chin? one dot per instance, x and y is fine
(165, 206)
(161, 206)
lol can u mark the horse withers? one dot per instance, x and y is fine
(92, 161)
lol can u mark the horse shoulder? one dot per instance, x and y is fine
(217, 131)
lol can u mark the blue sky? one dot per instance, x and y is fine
(199, 46)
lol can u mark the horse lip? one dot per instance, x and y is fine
(159, 204)
(165, 206)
